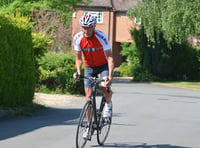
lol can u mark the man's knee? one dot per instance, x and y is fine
(88, 93)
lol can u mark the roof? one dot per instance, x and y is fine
(123, 5)
(116, 5)
(96, 3)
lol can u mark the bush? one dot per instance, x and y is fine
(40, 42)
(57, 73)
(174, 62)
(131, 52)
(184, 62)
(141, 74)
(17, 71)
(124, 70)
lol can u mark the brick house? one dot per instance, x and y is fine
(111, 19)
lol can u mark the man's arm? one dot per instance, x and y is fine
(78, 61)
(110, 63)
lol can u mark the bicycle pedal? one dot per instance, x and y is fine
(107, 120)
(89, 137)
(94, 126)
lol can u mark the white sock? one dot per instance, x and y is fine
(108, 104)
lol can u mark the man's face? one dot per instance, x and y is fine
(88, 31)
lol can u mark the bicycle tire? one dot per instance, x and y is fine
(83, 124)
(103, 128)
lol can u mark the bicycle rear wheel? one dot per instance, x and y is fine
(103, 129)
(84, 121)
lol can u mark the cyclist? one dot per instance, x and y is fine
(96, 50)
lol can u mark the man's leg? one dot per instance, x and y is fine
(104, 72)
(108, 95)
(88, 93)
(88, 72)
(108, 105)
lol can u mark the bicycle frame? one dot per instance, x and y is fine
(94, 105)
(92, 98)
(94, 119)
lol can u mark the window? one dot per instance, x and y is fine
(137, 20)
(98, 15)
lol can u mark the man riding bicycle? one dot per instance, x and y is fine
(96, 50)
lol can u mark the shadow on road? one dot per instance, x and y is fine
(48, 117)
(132, 145)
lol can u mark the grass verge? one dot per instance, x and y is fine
(186, 85)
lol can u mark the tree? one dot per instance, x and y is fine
(176, 19)
(25, 7)
(162, 38)
(56, 13)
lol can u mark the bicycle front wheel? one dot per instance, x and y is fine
(84, 122)
(103, 129)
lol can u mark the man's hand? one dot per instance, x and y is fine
(108, 84)
(76, 76)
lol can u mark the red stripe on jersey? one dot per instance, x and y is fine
(93, 52)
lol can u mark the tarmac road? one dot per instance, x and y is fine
(145, 116)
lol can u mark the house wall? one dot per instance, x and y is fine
(118, 59)
(123, 26)
(75, 22)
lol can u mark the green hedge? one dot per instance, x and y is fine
(124, 70)
(40, 43)
(17, 71)
(56, 74)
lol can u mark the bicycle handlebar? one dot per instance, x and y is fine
(94, 80)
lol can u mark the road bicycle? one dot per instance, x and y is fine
(91, 118)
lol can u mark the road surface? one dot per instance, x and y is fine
(144, 116)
